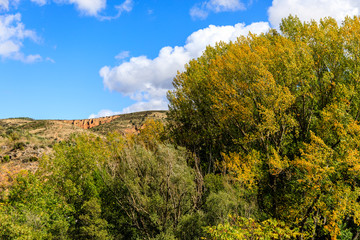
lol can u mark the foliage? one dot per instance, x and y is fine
(19, 146)
(278, 113)
(152, 185)
(75, 174)
(6, 158)
(152, 132)
(33, 211)
(12, 135)
(243, 228)
(123, 188)
(33, 159)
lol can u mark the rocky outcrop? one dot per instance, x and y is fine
(90, 123)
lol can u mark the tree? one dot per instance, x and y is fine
(151, 184)
(123, 187)
(279, 112)
(33, 210)
(75, 172)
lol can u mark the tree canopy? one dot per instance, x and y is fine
(279, 113)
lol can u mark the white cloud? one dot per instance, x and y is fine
(95, 7)
(39, 2)
(8, 47)
(225, 5)
(12, 35)
(122, 55)
(89, 7)
(154, 104)
(104, 113)
(48, 59)
(86, 7)
(312, 9)
(197, 12)
(29, 58)
(126, 6)
(203, 9)
(147, 80)
(4, 4)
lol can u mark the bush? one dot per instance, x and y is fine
(19, 146)
(33, 159)
(6, 158)
(13, 135)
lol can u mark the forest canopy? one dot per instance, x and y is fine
(262, 141)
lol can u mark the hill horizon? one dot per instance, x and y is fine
(23, 141)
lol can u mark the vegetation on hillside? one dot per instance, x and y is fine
(130, 122)
(262, 141)
(24, 140)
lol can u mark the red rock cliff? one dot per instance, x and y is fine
(90, 123)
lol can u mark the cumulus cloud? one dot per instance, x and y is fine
(104, 113)
(147, 80)
(12, 35)
(203, 9)
(312, 9)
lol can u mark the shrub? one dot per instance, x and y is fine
(19, 146)
(33, 159)
(12, 135)
(6, 158)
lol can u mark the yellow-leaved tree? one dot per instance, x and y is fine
(278, 113)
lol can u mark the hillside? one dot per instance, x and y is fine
(90, 123)
(128, 123)
(23, 140)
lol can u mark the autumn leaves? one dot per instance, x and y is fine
(279, 113)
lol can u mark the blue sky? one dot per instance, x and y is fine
(74, 59)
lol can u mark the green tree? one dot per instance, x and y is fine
(123, 187)
(34, 210)
(75, 172)
(152, 186)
